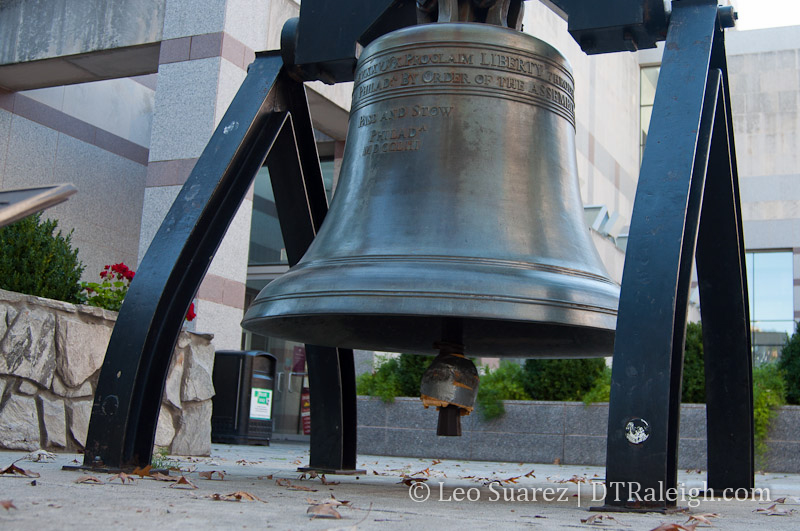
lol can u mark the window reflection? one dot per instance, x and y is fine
(769, 283)
(266, 240)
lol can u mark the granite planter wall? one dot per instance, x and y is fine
(543, 432)
(50, 358)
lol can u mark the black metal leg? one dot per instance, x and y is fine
(301, 203)
(724, 307)
(128, 397)
(644, 412)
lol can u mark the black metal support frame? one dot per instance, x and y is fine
(687, 199)
(687, 203)
(267, 120)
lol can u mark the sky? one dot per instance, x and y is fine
(757, 14)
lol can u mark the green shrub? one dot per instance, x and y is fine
(768, 393)
(504, 383)
(694, 383)
(399, 376)
(694, 374)
(601, 390)
(37, 262)
(790, 365)
(566, 379)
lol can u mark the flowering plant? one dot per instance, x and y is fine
(112, 288)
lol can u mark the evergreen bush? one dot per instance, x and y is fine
(789, 364)
(35, 261)
(503, 383)
(400, 376)
(567, 379)
(694, 374)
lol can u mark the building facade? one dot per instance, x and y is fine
(121, 97)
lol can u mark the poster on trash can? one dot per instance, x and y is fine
(261, 404)
(305, 410)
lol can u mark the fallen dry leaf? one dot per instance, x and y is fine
(530, 474)
(282, 482)
(675, 527)
(330, 501)
(14, 470)
(90, 480)
(265, 477)
(142, 472)
(410, 481)
(40, 455)
(209, 474)
(574, 479)
(511, 480)
(123, 477)
(600, 519)
(702, 518)
(237, 496)
(7, 505)
(436, 462)
(326, 482)
(183, 483)
(323, 510)
(773, 510)
(158, 476)
(557, 461)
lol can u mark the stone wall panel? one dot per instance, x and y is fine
(79, 413)
(53, 418)
(19, 424)
(194, 433)
(81, 348)
(28, 348)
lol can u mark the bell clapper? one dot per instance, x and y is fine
(450, 384)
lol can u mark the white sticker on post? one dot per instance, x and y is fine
(261, 404)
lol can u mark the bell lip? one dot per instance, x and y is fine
(511, 339)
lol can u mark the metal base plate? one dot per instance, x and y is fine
(109, 470)
(352, 472)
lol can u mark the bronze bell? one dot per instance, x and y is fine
(458, 206)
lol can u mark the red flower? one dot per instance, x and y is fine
(129, 274)
(190, 315)
(103, 274)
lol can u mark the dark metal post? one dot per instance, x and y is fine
(128, 396)
(724, 308)
(644, 413)
(301, 203)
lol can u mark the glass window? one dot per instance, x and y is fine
(770, 287)
(266, 240)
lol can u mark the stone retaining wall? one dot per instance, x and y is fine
(541, 432)
(50, 358)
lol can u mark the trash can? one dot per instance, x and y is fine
(244, 382)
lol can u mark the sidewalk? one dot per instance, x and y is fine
(377, 499)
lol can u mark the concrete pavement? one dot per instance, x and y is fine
(456, 495)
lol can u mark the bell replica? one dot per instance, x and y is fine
(457, 224)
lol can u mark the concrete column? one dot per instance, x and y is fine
(204, 56)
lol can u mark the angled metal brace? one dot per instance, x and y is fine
(689, 150)
(132, 378)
